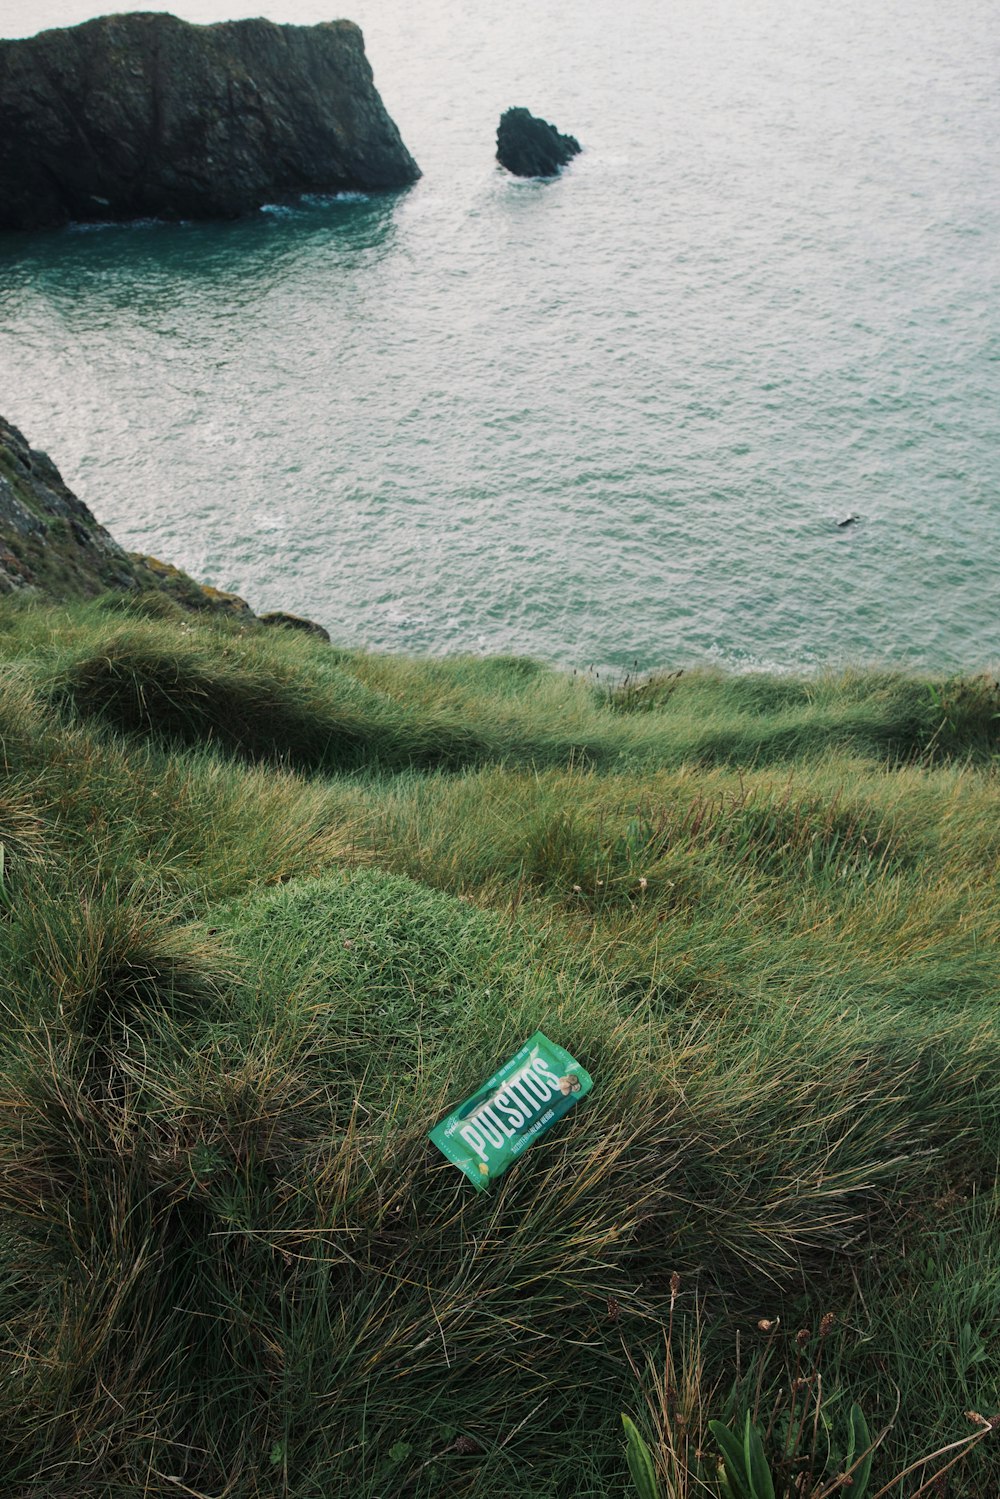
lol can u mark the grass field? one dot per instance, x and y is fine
(269, 908)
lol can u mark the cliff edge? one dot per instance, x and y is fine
(146, 116)
(49, 541)
(52, 545)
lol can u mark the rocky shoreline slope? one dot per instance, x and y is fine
(53, 547)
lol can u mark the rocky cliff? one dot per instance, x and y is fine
(143, 115)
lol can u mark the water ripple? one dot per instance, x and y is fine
(612, 416)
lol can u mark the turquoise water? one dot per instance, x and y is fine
(609, 418)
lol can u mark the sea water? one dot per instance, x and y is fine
(610, 418)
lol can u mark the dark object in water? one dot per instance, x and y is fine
(531, 147)
(848, 521)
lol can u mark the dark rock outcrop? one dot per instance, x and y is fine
(530, 147)
(143, 115)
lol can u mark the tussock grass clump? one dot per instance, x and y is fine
(277, 697)
(106, 958)
(22, 831)
(22, 720)
(192, 697)
(246, 964)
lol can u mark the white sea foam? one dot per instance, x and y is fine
(319, 200)
(305, 201)
(95, 226)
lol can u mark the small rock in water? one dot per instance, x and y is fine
(531, 147)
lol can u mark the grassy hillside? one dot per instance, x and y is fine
(269, 908)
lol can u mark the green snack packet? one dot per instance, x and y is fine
(539, 1084)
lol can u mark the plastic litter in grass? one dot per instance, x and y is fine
(513, 1108)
